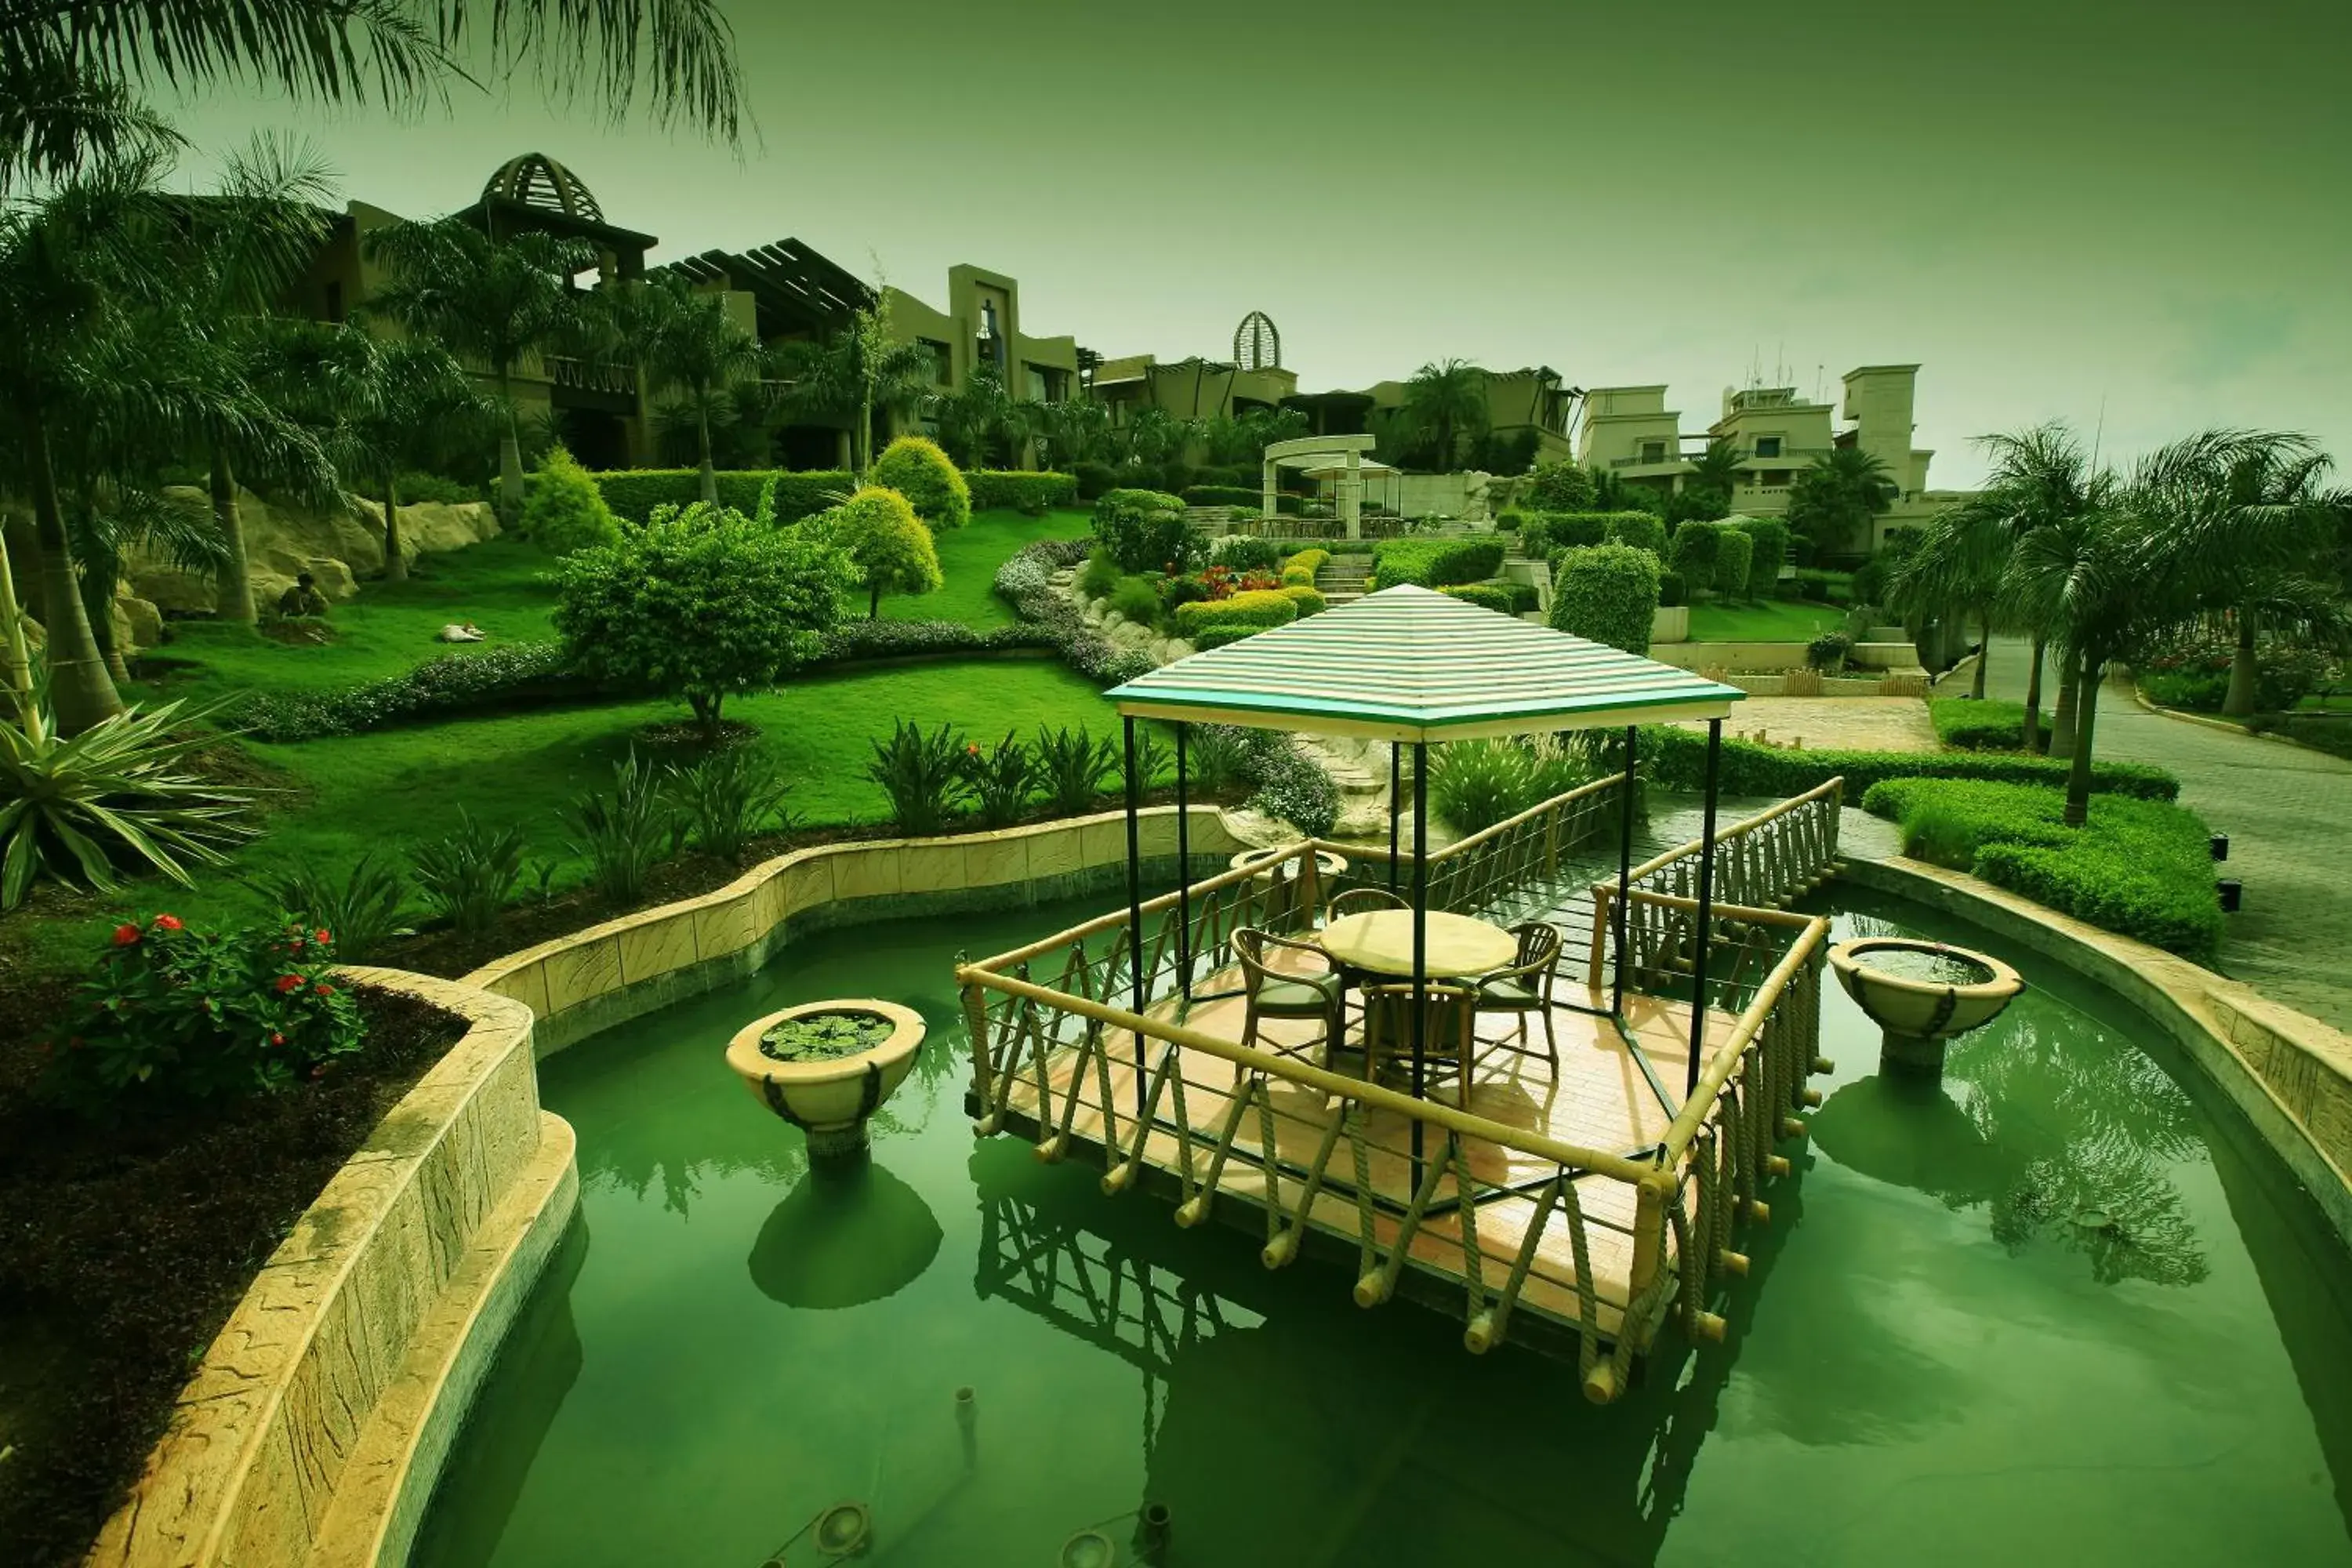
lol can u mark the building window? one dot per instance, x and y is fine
(1037, 379)
(1653, 451)
(1768, 446)
(1773, 478)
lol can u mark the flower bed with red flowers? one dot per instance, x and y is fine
(197, 1093)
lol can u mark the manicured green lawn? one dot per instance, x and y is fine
(1774, 620)
(968, 557)
(501, 586)
(393, 787)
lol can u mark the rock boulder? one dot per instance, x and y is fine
(336, 549)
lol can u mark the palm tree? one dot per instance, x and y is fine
(1074, 432)
(1958, 565)
(1833, 501)
(1447, 399)
(495, 302)
(1717, 468)
(2041, 476)
(2264, 518)
(981, 419)
(859, 371)
(694, 352)
(408, 404)
(72, 70)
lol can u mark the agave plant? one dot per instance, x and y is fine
(116, 800)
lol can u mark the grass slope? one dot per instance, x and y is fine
(1775, 620)
(968, 557)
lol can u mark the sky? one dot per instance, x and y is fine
(2132, 215)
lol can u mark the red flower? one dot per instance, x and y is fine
(323, 989)
(288, 983)
(971, 748)
(167, 922)
(124, 935)
(276, 1039)
(322, 934)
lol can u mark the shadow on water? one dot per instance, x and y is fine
(850, 1233)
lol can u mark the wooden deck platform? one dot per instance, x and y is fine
(1600, 1098)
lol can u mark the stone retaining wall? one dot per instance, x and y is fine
(330, 1377)
(611, 973)
(2291, 1074)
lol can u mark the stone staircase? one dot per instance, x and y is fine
(1341, 579)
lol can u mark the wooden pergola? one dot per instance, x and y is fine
(1410, 666)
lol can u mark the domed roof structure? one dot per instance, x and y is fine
(1256, 345)
(536, 180)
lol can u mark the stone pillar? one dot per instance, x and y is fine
(1351, 495)
(1268, 505)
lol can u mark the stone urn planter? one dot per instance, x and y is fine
(825, 1067)
(1921, 993)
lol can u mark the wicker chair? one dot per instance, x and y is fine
(1524, 984)
(1361, 901)
(1388, 1027)
(1273, 993)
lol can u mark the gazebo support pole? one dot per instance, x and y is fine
(1396, 803)
(1135, 903)
(1183, 870)
(1421, 938)
(1624, 879)
(1706, 908)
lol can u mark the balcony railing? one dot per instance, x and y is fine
(609, 377)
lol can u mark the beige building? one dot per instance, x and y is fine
(1631, 432)
(780, 292)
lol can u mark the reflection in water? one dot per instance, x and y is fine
(849, 1234)
(2065, 1134)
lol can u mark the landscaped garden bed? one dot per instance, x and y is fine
(126, 1241)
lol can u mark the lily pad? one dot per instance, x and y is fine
(824, 1037)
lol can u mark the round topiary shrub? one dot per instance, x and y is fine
(565, 511)
(915, 468)
(1606, 593)
(887, 543)
(1771, 539)
(1144, 531)
(1642, 530)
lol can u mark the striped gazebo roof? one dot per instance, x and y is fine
(1406, 664)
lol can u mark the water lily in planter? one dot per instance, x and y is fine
(827, 1067)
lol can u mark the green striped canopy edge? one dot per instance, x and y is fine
(1406, 664)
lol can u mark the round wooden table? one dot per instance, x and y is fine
(1381, 942)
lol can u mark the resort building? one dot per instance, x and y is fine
(1631, 431)
(782, 292)
(1532, 406)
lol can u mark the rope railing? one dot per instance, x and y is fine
(1761, 862)
(1059, 1051)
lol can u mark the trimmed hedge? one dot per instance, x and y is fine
(1437, 562)
(1547, 532)
(1770, 536)
(1218, 636)
(1093, 480)
(1222, 495)
(511, 675)
(2141, 868)
(1017, 491)
(1258, 607)
(1485, 595)
(1606, 593)
(857, 641)
(633, 493)
(1968, 725)
(1309, 559)
(1692, 551)
(1677, 758)
(1733, 552)
(1642, 530)
(1245, 552)
(1305, 595)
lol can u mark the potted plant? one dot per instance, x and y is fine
(827, 1067)
(1828, 652)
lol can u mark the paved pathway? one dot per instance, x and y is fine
(2288, 813)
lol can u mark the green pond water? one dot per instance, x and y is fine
(2062, 1308)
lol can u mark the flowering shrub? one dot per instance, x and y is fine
(2193, 672)
(177, 1015)
(1026, 582)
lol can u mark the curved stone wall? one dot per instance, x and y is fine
(315, 1423)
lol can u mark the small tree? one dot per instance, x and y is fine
(918, 469)
(565, 511)
(1770, 537)
(1606, 593)
(1558, 487)
(1693, 552)
(1833, 501)
(1144, 531)
(700, 605)
(887, 543)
